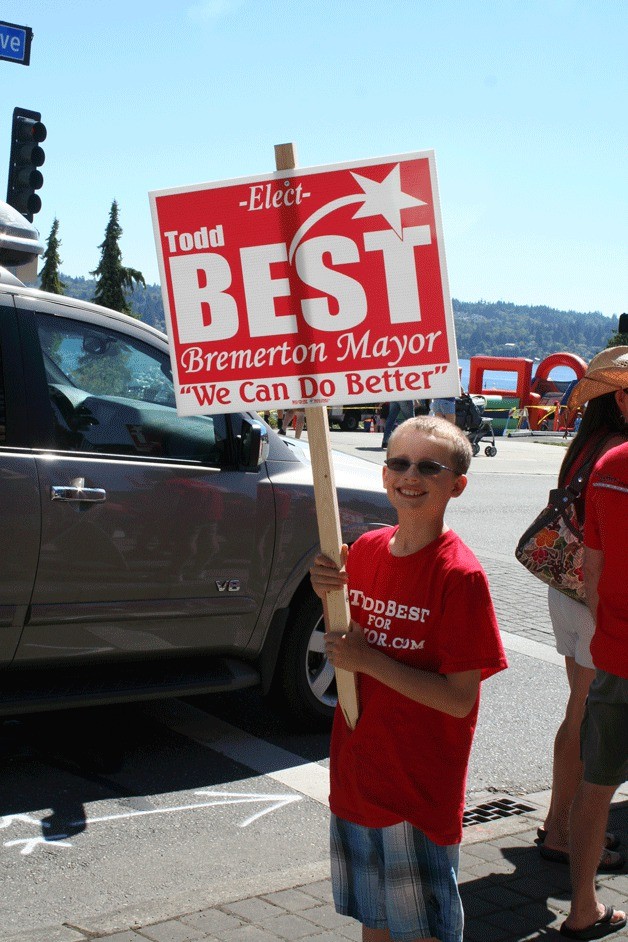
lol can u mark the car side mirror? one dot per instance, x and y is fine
(253, 445)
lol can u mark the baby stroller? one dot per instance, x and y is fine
(470, 418)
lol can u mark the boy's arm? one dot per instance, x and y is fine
(592, 569)
(454, 694)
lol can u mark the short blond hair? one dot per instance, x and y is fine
(460, 446)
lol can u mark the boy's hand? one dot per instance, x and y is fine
(325, 574)
(348, 650)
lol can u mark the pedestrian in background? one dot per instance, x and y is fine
(397, 411)
(445, 408)
(288, 416)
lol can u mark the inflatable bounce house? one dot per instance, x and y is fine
(538, 404)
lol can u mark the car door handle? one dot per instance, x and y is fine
(78, 491)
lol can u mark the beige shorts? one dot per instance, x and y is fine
(573, 627)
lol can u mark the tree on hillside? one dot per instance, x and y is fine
(49, 275)
(111, 275)
(620, 338)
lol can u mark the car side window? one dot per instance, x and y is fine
(114, 394)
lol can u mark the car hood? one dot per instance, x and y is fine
(349, 470)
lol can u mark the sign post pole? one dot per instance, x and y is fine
(337, 609)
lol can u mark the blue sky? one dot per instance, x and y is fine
(523, 101)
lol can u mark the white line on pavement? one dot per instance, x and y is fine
(542, 652)
(307, 778)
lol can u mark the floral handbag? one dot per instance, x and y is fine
(552, 547)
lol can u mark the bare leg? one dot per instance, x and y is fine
(300, 422)
(567, 771)
(287, 419)
(589, 814)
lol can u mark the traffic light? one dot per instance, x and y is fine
(27, 133)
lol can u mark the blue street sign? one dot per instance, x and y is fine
(15, 43)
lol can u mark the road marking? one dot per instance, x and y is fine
(307, 778)
(29, 844)
(536, 649)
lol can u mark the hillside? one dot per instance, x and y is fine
(488, 327)
(493, 328)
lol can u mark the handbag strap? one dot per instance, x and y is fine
(561, 498)
(564, 496)
(580, 479)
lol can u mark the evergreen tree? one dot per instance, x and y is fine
(620, 338)
(49, 275)
(111, 275)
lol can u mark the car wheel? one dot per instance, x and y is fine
(349, 422)
(304, 681)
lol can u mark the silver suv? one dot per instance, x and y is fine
(145, 554)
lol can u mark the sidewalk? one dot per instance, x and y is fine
(510, 893)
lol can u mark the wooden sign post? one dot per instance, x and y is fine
(328, 518)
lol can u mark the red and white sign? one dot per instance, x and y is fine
(307, 287)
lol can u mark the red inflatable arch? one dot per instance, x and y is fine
(572, 360)
(527, 392)
(519, 365)
(522, 366)
(542, 386)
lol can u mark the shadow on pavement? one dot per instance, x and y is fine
(520, 896)
(65, 760)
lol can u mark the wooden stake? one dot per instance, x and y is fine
(337, 616)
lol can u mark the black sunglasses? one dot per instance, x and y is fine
(427, 469)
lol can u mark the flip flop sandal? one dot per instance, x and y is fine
(611, 841)
(597, 930)
(609, 861)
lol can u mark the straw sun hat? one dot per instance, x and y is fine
(606, 372)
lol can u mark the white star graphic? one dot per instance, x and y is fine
(385, 199)
(378, 199)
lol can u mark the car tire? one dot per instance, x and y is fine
(304, 685)
(350, 422)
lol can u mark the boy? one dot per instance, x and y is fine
(423, 637)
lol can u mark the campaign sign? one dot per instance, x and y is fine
(315, 286)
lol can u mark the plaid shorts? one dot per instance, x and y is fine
(395, 878)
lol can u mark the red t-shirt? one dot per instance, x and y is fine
(405, 761)
(605, 530)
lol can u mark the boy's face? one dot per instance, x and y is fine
(412, 491)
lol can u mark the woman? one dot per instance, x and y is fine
(603, 425)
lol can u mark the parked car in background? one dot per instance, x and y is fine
(146, 554)
(350, 418)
